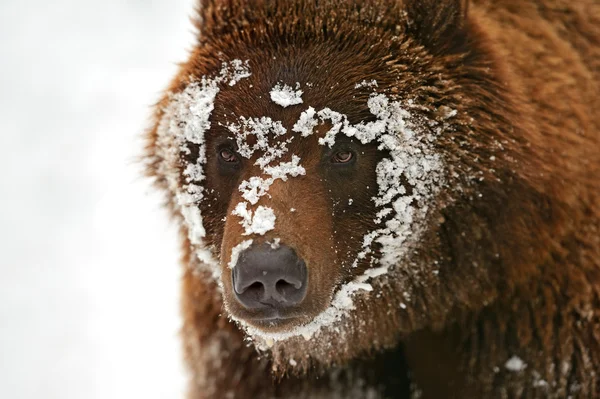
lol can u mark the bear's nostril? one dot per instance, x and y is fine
(265, 277)
(255, 291)
(284, 287)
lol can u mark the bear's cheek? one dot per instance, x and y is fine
(303, 226)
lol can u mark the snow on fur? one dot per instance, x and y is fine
(185, 120)
(237, 250)
(286, 96)
(255, 222)
(515, 364)
(365, 83)
(306, 123)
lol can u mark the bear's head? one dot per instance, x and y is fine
(344, 170)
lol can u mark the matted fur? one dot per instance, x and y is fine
(515, 236)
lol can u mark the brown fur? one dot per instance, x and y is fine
(515, 235)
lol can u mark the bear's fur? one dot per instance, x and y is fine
(500, 296)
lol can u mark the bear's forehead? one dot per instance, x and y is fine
(338, 79)
(249, 100)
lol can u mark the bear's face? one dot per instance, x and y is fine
(300, 194)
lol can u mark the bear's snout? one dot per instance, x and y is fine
(267, 277)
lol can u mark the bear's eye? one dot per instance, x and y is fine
(228, 155)
(342, 157)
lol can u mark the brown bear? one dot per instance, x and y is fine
(385, 198)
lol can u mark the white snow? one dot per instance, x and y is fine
(306, 123)
(411, 157)
(263, 221)
(255, 222)
(264, 129)
(447, 112)
(235, 71)
(337, 121)
(275, 243)
(515, 364)
(286, 95)
(237, 250)
(285, 169)
(254, 188)
(365, 83)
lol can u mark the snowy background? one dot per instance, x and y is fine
(88, 259)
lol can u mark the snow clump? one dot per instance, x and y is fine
(286, 95)
(237, 250)
(257, 222)
(515, 364)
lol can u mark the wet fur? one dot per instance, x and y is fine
(515, 239)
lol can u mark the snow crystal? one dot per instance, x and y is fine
(365, 83)
(275, 243)
(515, 364)
(539, 383)
(257, 222)
(254, 188)
(306, 123)
(235, 71)
(337, 122)
(191, 215)
(286, 95)
(262, 129)
(285, 169)
(265, 131)
(237, 250)
(263, 221)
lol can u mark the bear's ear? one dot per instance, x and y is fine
(439, 25)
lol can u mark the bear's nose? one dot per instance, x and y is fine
(267, 277)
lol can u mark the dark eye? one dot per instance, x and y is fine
(228, 155)
(342, 157)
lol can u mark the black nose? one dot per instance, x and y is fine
(269, 277)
